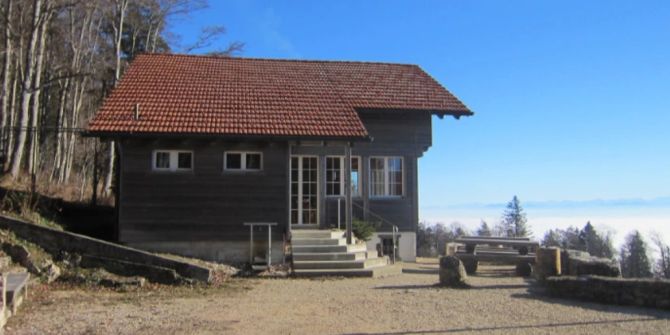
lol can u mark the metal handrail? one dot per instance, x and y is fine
(394, 228)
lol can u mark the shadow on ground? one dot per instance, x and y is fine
(535, 293)
(538, 326)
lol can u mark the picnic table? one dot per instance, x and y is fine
(472, 249)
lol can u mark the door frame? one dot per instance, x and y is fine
(300, 181)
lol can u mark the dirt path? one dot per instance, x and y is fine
(408, 303)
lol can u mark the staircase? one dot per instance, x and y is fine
(326, 253)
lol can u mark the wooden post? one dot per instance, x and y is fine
(251, 245)
(269, 256)
(347, 191)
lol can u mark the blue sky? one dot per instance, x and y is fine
(571, 97)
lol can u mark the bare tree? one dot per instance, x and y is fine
(120, 14)
(6, 79)
(27, 90)
(662, 266)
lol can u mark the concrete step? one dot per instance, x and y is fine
(318, 241)
(332, 256)
(297, 249)
(373, 272)
(314, 233)
(355, 264)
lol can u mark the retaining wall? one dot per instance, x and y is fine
(55, 241)
(609, 290)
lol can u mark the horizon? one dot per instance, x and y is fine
(570, 99)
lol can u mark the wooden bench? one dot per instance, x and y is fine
(472, 249)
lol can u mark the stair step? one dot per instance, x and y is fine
(297, 249)
(313, 233)
(331, 256)
(318, 241)
(353, 264)
(374, 272)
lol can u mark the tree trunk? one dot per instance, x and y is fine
(58, 159)
(121, 8)
(34, 140)
(11, 135)
(6, 78)
(27, 92)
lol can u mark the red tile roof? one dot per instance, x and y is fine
(183, 94)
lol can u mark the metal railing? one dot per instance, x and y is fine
(394, 228)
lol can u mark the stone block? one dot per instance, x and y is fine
(452, 272)
(547, 263)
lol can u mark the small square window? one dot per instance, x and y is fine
(162, 160)
(253, 161)
(184, 160)
(233, 161)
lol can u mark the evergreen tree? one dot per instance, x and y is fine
(513, 223)
(634, 260)
(484, 229)
(595, 244)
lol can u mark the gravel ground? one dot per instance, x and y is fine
(405, 304)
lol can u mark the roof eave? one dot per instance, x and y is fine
(106, 135)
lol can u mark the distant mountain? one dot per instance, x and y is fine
(660, 202)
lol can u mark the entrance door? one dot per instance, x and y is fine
(304, 190)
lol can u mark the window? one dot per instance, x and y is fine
(386, 177)
(335, 172)
(243, 161)
(172, 160)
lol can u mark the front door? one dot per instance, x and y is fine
(304, 190)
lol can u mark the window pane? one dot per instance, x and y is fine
(355, 169)
(354, 183)
(233, 161)
(162, 160)
(354, 163)
(395, 176)
(253, 161)
(377, 176)
(184, 160)
(333, 176)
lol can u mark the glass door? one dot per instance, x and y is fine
(304, 190)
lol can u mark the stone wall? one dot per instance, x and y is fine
(56, 241)
(639, 292)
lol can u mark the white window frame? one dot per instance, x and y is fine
(386, 183)
(243, 161)
(342, 175)
(174, 160)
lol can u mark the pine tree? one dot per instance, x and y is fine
(634, 260)
(513, 223)
(484, 229)
(594, 243)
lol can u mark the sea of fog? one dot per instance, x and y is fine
(619, 219)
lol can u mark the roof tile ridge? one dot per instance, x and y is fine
(323, 61)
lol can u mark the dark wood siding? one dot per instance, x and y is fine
(394, 133)
(205, 204)
(208, 204)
